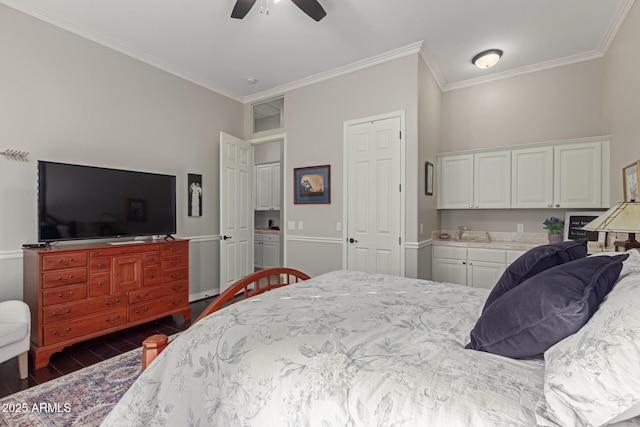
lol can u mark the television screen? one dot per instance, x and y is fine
(85, 202)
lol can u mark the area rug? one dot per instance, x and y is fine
(81, 398)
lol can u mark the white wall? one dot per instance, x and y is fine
(314, 119)
(429, 130)
(622, 99)
(67, 99)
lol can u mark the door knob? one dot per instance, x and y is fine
(352, 240)
(226, 237)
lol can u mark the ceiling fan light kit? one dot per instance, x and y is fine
(311, 7)
(487, 58)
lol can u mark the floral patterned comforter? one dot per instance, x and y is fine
(343, 349)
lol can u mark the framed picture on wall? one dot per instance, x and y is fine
(312, 184)
(630, 182)
(428, 178)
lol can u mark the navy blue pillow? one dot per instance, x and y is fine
(546, 308)
(535, 261)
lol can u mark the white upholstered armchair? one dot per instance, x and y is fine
(15, 329)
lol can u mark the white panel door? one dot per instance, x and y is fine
(532, 178)
(236, 213)
(373, 196)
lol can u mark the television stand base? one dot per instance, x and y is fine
(169, 237)
(127, 242)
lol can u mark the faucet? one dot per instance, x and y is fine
(461, 229)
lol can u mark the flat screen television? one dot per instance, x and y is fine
(86, 202)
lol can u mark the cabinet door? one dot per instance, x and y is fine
(263, 187)
(275, 186)
(484, 274)
(578, 175)
(257, 251)
(449, 270)
(455, 182)
(270, 254)
(126, 273)
(492, 180)
(532, 178)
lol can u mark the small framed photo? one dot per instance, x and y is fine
(428, 178)
(312, 184)
(630, 182)
(136, 210)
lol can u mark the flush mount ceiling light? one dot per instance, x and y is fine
(487, 58)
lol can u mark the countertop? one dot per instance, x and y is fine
(500, 240)
(266, 231)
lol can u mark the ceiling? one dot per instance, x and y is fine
(197, 40)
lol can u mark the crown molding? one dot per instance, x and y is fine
(336, 72)
(435, 72)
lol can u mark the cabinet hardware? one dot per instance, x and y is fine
(352, 240)
(56, 314)
(108, 319)
(61, 295)
(66, 331)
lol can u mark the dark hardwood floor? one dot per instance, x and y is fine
(92, 351)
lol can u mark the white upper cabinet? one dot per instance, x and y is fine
(455, 182)
(475, 181)
(532, 172)
(563, 174)
(267, 186)
(492, 180)
(578, 175)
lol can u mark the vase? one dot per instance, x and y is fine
(555, 238)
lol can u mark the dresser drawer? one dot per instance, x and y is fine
(97, 265)
(158, 306)
(100, 284)
(65, 331)
(74, 310)
(155, 292)
(177, 248)
(68, 294)
(70, 276)
(65, 260)
(175, 274)
(151, 258)
(174, 262)
(151, 276)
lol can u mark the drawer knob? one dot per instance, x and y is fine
(138, 311)
(100, 265)
(100, 284)
(151, 276)
(152, 258)
(61, 295)
(109, 303)
(177, 288)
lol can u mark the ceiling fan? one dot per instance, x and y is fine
(310, 7)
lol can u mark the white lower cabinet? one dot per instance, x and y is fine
(266, 251)
(477, 267)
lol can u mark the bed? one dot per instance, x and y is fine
(349, 348)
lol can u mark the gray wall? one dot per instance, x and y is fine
(67, 99)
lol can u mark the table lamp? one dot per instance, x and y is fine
(624, 218)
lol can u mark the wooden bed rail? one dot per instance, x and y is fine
(247, 287)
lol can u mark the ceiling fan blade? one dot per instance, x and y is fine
(241, 8)
(311, 8)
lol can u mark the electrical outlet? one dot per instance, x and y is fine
(291, 225)
(338, 226)
(520, 228)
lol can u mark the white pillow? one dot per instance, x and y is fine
(593, 376)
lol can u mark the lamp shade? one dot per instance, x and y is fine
(624, 218)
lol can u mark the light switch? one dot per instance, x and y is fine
(300, 225)
(291, 225)
(338, 226)
(520, 228)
